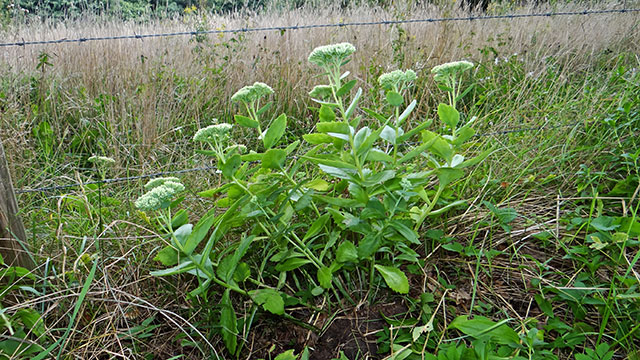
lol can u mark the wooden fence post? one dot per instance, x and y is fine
(12, 235)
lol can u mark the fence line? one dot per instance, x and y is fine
(206, 168)
(316, 26)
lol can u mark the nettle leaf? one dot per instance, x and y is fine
(275, 131)
(246, 121)
(482, 327)
(394, 99)
(231, 166)
(274, 159)
(346, 252)
(324, 277)
(270, 299)
(448, 115)
(228, 323)
(394, 278)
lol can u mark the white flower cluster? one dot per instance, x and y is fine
(331, 55)
(101, 160)
(159, 197)
(446, 71)
(159, 181)
(252, 93)
(397, 79)
(213, 133)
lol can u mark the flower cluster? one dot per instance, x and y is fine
(446, 71)
(331, 55)
(101, 160)
(213, 133)
(159, 197)
(397, 79)
(153, 183)
(251, 93)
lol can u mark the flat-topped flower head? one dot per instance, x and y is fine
(101, 160)
(213, 133)
(160, 181)
(397, 79)
(451, 68)
(321, 92)
(252, 93)
(159, 197)
(331, 55)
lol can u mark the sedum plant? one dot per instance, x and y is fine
(351, 201)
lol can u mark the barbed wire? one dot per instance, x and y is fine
(206, 168)
(318, 26)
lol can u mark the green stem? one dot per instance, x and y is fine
(427, 211)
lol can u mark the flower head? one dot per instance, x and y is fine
(397, 79)
(252, 93)
(451, 68)
(331, 55)
(213, 133)
(101, 160)
(153, 183)
(159, 197)
(321, 92)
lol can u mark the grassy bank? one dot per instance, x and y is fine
(546, 246)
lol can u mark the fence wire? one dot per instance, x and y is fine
(321, 26)
(208, 168)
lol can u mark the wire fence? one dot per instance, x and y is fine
(209, 168)
(322, 26)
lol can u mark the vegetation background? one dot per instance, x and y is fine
(537, 244)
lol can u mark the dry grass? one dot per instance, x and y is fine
(159, 86)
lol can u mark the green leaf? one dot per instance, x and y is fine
(316, 138)
(292, 264)
(416, 151)
(316, 227)
(32, 320)
(346, 88)
(168, 256)
(544, 305)
(394, 278)
(228, 323)
(439, 146)
(379, 155)
(354, 103)
(394, 99)
(368, 245)
(463, 134)
(415, 130)
(482, 327)
(388, 133)
(231, 166)
(324, 277)
(182, 234)
(291, 147)
(275, 131)
(347, 252)
(287, 355)
(406, 112)
(405, 231)
(178, 269)
(604, 223)
(200, 230)
(242, 272)
(448, 175)
(252, 156)
(326, 114)
(336, 172)
(476, 159)
(246, 121)
(448, 115)
(274, 159)
(318, 184)
(270, 299)
(360, 137)
(333, 127)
